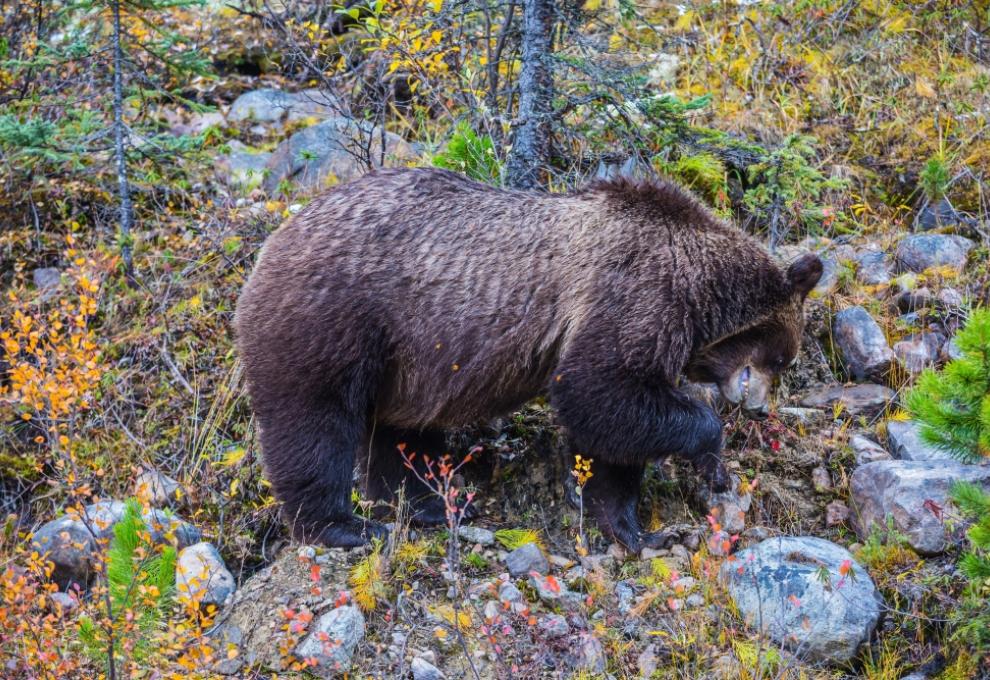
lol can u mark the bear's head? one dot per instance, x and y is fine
(745, 364)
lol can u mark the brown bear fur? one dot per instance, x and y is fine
(413, 300)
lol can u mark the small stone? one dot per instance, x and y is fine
(477, 535)
(821, 479)
(492, 610)
(694, 601)
(943, 215)
(919, 252)
(617, 552)
(307, 553)
(70, 542)
(243, 168)
(263, 106)
(904, 439)
(873, 268)
(861, 343)
(585, 652)
(554, 626)
(650, 553)
(424, 670)
(526, 558)
(331, 641)
(598, 562)
(950, 351)
(65, 601)
(680, 552)
(684, 584)
(836, 514)
(918, 352)
(730, 507)
(913, 300)
(46, 278)
(912, 495)
(829, 280)
(575, 576)
(647, 663)
(560, 561)
(866, 450)
(804, 416)
(625, 595)
(548, 588)
(720, 543)
(778, 588)
(201, 576)
(950, 298)
(156, 488)
(507, 592)
(866, 399)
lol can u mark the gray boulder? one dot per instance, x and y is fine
(918, 352)
(866, 450)
(865, 399)
(526, 558)
(919, 252)
(46, 277)
(904, 440)
(332, 639)
(861, 343)
(261, 106)
(202, 577)
(873, 268)
(166, 527)
(585, 652)
(334, 150)
(71, 541)
(158, 488)
(779, 589)
(912, 495)
(424, 670)
(943, 215)
(477, 535)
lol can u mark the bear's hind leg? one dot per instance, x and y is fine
(387, 471)
(309, 448)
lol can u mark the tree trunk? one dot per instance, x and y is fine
(119, 130)
(531, 145)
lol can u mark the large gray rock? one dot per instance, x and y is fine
(918, 352)
(46, 277)
(166, 527)
(585, 652)
(779, 589)
(424, 670)
(71, 541)
(526, 558)
(158, 489)
(261, 106)
(865, 399)
(873, 268)
(202, 577)
(912, 495)
(943, 215)
(332, 639)
(904, 440)
(861, 343)
(919, 252)
(829, 280)
(332, 151)
(478, 535)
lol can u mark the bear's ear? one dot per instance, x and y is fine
(803, 274)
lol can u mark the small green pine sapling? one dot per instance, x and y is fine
(953, 408)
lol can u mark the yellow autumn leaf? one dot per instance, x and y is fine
(684, 21)
(591, 5)
(924, 88)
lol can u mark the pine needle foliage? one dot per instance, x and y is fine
(953, 405)
(141, 584)
(953, 408)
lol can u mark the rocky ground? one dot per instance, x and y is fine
(834, 555)
(803, 562)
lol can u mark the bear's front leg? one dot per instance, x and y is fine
(622, 422)
(611, 497)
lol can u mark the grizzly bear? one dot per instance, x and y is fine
(411, 301)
